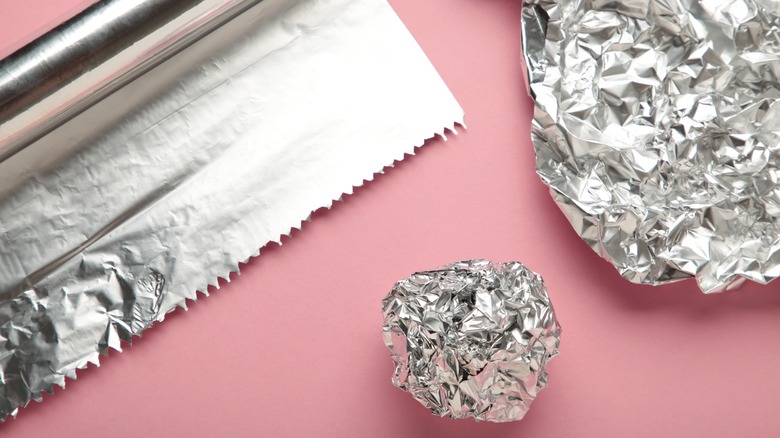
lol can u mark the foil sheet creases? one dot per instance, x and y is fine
(123, 213)
(472, 339)
(657, 128)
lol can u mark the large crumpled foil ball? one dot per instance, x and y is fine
(657, 127)
(472, 339)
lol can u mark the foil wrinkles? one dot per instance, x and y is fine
(472, 339)
(657, 128)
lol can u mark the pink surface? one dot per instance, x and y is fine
(293, 346)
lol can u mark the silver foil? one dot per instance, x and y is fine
(657, 128)
(55, 77)
(127, 210)
(472, 339)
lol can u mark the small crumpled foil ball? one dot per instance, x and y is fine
(472, 339)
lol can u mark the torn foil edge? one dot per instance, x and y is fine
(714, 255)
(147, 292)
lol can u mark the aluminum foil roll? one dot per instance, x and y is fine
(657, 128)
(472, 339)
(64, 72)
(123, 210)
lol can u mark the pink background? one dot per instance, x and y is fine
(293, 346)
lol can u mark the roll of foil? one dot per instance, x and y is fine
(83, 60)
(657, 128)
(125, 211)
(472, 339)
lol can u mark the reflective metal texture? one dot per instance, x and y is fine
(65, 71)
(127, 210)
(657, 127)
(472, 339)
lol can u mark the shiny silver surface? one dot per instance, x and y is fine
(123, 213)
(472, 339)
(657, 127)
(65, 71)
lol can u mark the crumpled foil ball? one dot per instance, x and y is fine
(472, 339)
(657, 128)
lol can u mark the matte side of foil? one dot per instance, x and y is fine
(120, 215)
(657, 128)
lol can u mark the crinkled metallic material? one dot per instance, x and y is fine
(124, 212)
(472, 339)
(657, 128)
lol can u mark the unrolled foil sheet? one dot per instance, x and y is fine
(657, 128)
(121, 214)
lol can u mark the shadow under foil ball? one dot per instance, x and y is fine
(472, 339)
